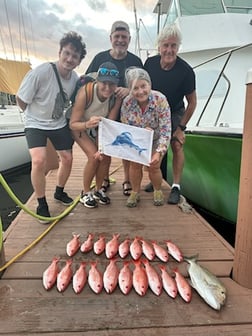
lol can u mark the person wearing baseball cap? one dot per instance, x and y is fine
(119, 55)
(84, 121)
(119, 25)
(108, 72)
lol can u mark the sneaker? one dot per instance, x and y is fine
(133, 199)
(174, 196)
(63, 198)
(158, 198)
(149, 187)
(42, 210)
(88, 200)
(102, 197)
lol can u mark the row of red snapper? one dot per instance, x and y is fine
(135, 247)
(143, 276)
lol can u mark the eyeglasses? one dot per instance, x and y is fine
(108, 72)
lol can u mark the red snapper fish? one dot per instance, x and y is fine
(124, 249)
(87, 245)
(184, 287)
(140, 280)
(95, 279)
(99, 245)
(154, 279)
(169, 284)
(110, 276)
(50, 274)
(112, 246)
(125, 278)
(64, 276)
(148, 250)
(136, 249)
(80, 278)
(160, 252)
(174, 250)
(73, 245)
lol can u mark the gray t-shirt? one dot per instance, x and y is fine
(40, 91)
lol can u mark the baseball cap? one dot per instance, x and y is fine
(119, 25)
(108, 72)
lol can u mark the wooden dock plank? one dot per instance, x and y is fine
(27, 308)
(34, 270)
(37, 310)
(222, 330)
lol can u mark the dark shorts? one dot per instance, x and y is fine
(60, 138)
(176, 118)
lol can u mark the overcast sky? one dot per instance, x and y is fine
(32, 28)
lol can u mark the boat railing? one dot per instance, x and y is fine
(221, 75)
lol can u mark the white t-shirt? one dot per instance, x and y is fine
(40, 91)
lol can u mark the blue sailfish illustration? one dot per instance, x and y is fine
(125, 139)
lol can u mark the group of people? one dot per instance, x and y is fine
(149, 95)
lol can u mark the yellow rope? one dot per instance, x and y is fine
(66, 212)
(22, 206)
(55, 219)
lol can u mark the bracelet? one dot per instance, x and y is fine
(182, 127)
(85, 125)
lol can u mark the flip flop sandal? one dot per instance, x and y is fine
(126, 188)
(105, 184)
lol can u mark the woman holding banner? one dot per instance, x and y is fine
(146, 108)
(84, 125)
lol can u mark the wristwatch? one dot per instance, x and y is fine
(182, 127)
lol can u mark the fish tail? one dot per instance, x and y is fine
(191, 258)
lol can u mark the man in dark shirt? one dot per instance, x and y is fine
(175, 78)
(123, 59)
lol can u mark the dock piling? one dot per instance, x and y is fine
(242, 271)
(2, 256)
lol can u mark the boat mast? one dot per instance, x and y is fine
(159, 15)
(137, 48)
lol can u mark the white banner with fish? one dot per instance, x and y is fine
(125, 142)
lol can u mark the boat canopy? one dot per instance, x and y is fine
(11, 75)
(177, 8)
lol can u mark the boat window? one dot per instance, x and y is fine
(172, 14)
(206, 80)
(199, 7)
(239, 6)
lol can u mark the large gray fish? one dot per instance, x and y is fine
(206, 284)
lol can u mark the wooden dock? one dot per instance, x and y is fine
(26, 308)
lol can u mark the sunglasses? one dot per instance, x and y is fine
(108, 72)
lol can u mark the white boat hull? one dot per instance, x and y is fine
(13, 147)
(217, 43)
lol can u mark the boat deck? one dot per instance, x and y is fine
(27, 308)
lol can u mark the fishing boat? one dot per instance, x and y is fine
(13, 147)
(217, 42)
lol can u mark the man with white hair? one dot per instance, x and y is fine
(175, 78)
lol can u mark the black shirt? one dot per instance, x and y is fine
(121, 64)
(174, 83)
